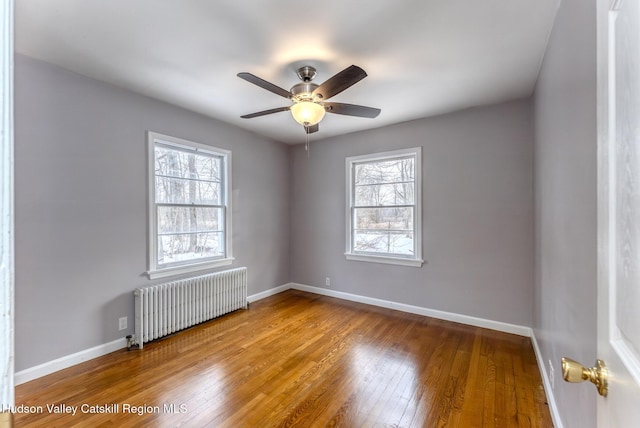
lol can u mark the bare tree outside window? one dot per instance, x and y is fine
(189, 205)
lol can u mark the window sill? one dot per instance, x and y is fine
(385, 260)
(180, 270)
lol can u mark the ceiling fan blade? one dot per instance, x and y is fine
(352, 110)
(339, 82)
(264, 112)
(311, 129)
(265, 85)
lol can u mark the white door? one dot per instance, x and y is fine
(619, 210)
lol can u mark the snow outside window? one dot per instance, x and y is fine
(189, 206)
(384, 207)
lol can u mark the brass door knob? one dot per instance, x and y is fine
(573, 371)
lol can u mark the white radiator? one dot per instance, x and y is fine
(166, 308)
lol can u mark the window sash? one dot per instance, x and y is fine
(356, 248)
(391, 238)
(183, 258)
(383, 237)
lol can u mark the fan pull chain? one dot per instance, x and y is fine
(306, 145)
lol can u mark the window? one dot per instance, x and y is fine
(384, 207)
(189, 206)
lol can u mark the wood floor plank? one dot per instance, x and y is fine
(304, 360)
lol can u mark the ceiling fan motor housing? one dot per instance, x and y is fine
(303, 91)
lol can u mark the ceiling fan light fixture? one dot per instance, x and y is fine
(307, 113)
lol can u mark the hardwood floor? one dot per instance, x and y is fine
(303, 360)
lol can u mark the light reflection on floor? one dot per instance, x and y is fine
(386, 384)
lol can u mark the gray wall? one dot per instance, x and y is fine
(81, 222)
(565, 199)
(477, 214)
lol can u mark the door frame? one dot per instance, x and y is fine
(7, 265)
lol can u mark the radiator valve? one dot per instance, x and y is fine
(131, 343)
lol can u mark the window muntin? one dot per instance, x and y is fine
(189, 205)
(384, 208)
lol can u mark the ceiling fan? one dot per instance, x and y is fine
(309, 99)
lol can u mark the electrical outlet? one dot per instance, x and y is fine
(327, 282)
(122, 323)
(552, 376)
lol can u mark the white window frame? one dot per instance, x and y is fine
(156, 271)
(416, 259)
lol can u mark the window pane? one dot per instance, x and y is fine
(383, 230)
(398, 219)
(384, 242)
(189, 247)
(387, 171)
(176, 163)
(174, 220)
(186, 191)
(384, 194)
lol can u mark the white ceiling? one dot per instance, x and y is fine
(423, 57)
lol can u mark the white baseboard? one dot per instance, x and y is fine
(553, 407)
(68, 361)
(447, 316)
(263, 294)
